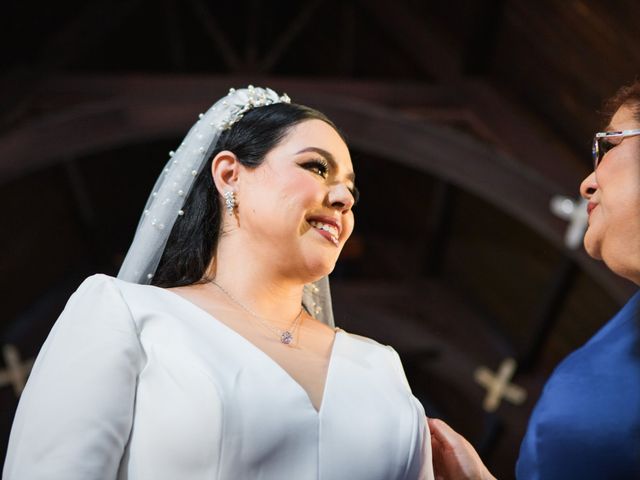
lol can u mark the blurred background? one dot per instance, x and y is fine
(465, 120)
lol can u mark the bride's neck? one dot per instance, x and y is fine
(255, 285)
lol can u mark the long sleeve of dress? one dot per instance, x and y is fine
(75, 414)
(423, 470)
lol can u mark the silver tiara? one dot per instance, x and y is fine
(241, 101)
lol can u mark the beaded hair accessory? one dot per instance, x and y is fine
(165, 204)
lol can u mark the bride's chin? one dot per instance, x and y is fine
(318, 270)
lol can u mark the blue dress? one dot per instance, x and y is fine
(586, 424)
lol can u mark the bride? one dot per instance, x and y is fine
(213, 354)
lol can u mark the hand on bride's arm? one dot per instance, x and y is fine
(454, 458)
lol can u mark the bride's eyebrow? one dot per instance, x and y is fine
(329, 158)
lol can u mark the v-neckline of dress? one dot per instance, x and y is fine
(270, 360)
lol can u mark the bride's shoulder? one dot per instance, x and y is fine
(97, 283)
(359, 338)
(365, 342)
(106, 286)
(102, 280)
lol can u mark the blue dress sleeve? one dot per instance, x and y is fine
(586, 424)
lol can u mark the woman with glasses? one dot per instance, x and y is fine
(586, 424)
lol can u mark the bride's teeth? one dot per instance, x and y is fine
(331, 229)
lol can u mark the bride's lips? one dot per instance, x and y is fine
(328, 227)
(590, 207)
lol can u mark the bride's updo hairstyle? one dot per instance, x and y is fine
(195, 234)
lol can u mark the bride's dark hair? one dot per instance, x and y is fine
(194, 236)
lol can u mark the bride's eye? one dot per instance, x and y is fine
(319, 167)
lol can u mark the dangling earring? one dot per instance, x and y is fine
(230, 201)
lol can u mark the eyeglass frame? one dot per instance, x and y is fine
(597, 152)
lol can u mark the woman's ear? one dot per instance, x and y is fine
(225, 170)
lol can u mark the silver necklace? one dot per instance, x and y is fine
(286, 336)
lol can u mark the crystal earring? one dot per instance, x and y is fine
(230, 201)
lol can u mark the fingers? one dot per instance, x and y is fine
(453, 456)
(443, 433)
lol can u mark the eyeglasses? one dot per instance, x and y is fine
(605, 141)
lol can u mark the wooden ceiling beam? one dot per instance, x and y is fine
(421, 40)
(284, 40)
(91, 26)
(526, 138)
(217, 36)
(482, 34)
(519, 134)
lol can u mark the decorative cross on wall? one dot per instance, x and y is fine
(498, 386)
(575, 211)
(16, 372)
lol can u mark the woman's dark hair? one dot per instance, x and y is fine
(194, 236)
(628, 95)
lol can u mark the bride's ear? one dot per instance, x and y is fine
(225, 170)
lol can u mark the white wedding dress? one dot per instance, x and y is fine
(135, 382)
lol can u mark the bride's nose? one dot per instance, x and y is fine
(341, 198)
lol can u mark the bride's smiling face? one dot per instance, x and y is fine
(296, 207)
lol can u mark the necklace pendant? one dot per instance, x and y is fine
(286, 337)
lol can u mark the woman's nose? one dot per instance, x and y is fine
(589, 186)
(341, 198)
